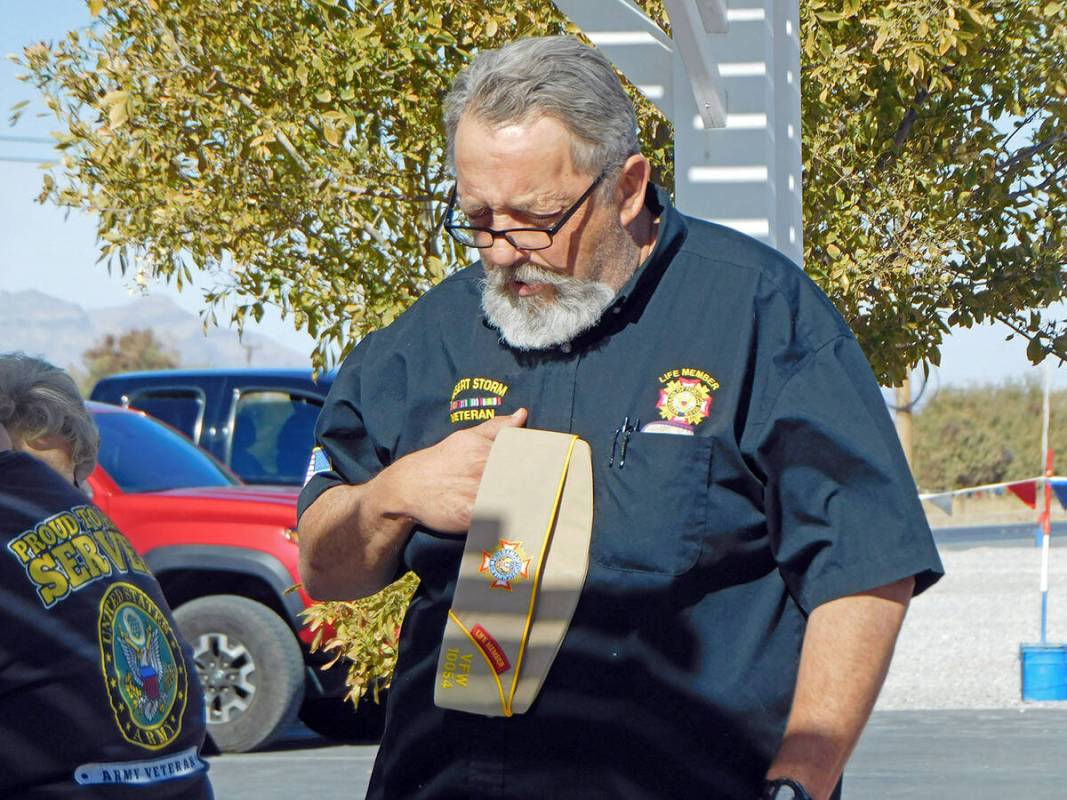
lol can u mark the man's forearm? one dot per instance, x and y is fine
(846, 653)
(350, 540)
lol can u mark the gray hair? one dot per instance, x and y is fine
(553, 76)
(38, 399)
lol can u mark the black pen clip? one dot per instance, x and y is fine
(626, 429)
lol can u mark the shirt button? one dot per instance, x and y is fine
(616, 310)
(565, 347)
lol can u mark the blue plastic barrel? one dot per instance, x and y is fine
(1044, 671)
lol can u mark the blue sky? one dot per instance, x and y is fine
(44, 249)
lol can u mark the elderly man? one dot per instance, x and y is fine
(754, 551)
(97, 698)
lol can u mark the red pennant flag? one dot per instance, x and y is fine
(1025, 491)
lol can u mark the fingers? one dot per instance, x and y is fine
(492, 427)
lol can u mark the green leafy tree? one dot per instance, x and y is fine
(134, 350)
(294, 146)
(935, 152)
(968, 436)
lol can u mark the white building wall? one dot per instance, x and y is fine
(746, 174)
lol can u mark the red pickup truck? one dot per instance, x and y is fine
(225, 554)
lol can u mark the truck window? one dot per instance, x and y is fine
(141, 455)
(182, 409)
(273, 433)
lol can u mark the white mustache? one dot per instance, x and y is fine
(528, 273)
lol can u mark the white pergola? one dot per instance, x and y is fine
(729, 80)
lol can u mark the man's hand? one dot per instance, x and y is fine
(351, 536)
(440, 483)
(5, 440)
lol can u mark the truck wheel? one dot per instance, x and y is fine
(335, 718)
(250, 666)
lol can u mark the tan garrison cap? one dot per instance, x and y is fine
(523, 567)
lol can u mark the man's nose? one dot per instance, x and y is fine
(502, 253)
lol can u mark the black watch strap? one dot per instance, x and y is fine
(784, 789)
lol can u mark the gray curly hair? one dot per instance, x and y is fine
(38, 399)
(553, 76)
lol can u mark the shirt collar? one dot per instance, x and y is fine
(671, 234)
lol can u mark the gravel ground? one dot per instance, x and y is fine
(960, 644)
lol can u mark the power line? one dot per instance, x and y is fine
(26, 159)
(27, 139)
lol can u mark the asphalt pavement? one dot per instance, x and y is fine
(993, 536)
(941, 755)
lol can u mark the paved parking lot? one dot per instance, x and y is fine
(953, 755)
(941, 755)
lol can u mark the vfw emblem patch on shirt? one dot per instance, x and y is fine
(506, 564)
(144, 672)
(685, 400)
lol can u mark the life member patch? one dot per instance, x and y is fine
(685, 400)
(476, 399)
(144, 671)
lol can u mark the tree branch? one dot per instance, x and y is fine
(1011, 164)
(1049, 181)
(903, 130)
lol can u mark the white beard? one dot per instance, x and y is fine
(534, 323)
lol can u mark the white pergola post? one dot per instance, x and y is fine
(729, 80)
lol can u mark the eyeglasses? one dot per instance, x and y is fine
(519, 238)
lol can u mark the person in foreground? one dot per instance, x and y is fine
(757, 535)
(97, 697)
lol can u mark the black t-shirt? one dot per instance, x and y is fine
(763, 479)
(97, 694)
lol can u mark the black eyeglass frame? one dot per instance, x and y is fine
(495, 234)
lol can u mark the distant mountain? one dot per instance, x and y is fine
(60, 332)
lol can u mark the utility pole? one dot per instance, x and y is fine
(903, 417)
(249, 348)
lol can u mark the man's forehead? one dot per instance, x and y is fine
(527, 163)
(493, 195)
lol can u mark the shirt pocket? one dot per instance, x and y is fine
(650, 513)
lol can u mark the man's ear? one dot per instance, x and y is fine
(630, 187)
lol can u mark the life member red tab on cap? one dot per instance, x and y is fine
(491, 648)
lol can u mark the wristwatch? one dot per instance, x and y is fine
(784, 789)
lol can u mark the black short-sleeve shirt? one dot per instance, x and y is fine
(764, 478)
(98, 695)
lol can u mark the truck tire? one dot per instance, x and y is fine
(250, 666)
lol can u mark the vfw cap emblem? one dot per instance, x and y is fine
(507, 563)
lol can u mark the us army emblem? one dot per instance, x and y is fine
(144, 671)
